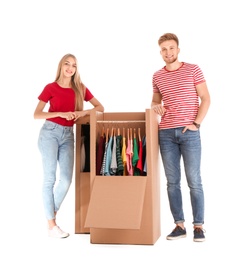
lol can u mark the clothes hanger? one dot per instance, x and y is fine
(139, 134)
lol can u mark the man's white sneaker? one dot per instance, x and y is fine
(57, 232)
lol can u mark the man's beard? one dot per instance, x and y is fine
(171, 61)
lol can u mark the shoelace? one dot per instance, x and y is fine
(199, 230)
(177, 228)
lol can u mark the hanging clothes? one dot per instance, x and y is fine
(144, 156)
(102, 172)
(135, 154)
(139, 167)
(118, 154)
(107, 170)
(86, 134)
(129, 153)
(100, 152)
(82, 154)
(113, 166)
(124, 155)
(114, 157)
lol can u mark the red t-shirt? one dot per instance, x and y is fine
(61, 100)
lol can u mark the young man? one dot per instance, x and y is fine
(181, 98)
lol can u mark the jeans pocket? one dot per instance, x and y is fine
(49, 126)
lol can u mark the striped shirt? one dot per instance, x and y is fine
(179, 95)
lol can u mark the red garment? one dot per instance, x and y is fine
(61, 100)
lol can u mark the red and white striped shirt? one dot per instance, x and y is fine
(179, 95)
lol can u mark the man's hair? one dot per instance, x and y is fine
(168, 37)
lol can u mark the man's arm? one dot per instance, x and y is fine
(204, 96)
(156, 104)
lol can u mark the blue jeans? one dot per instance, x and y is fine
(56, 144)
(173, 145)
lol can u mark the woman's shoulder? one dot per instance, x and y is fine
(52, 84)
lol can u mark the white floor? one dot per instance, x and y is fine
(24, 229)
(23, 226)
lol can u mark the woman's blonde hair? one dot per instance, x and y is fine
(76, 83)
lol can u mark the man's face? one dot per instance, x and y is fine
(169, 51)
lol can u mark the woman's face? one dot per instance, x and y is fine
(69, 67)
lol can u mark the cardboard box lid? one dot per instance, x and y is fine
(116, 202)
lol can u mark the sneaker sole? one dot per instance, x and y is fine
(57, 237)
(174, 238)
(63, 236)
(199, 239)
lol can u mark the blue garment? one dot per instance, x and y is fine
(107, 170)
(56, 144)
(113, 165)
(173, 145)
(102, 171)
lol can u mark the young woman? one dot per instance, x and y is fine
(65, 96)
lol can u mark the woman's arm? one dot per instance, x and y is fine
(97, 106)
(40, 114)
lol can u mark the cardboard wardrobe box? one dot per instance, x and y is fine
(82, 179)
(121, 209)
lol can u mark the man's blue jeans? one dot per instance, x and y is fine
(56, 144)
(173, 145)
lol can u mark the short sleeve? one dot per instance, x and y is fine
(46, 94)
(88, 95)
(198, 75)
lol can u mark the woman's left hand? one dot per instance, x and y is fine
(78, 114)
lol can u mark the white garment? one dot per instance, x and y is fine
(82, 154)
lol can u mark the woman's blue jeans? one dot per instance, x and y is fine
(56, 144)
(173, 145)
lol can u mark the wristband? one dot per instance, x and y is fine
(197, 125)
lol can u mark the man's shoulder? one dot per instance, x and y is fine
(159, 71)
(190, 65)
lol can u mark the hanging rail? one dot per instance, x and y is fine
(121, 121)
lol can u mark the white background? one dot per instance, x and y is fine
(116, 46)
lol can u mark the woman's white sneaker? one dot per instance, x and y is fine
(56, 232)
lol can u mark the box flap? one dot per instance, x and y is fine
(116, 202)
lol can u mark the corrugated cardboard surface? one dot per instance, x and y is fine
(120, 211)
(84, 198)
(116, 202)
(125, 209)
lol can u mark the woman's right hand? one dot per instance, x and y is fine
(68, 115)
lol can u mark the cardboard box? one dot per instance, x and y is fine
(82, 183)
(125, 209)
